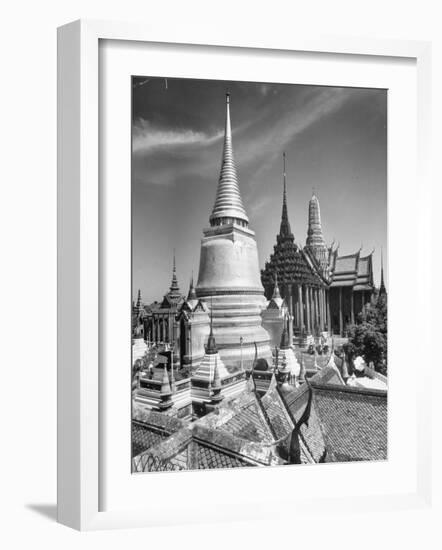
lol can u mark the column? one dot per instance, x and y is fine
(352, 308)
(312, 311)
(341, 319)
(290, 306)
(321, 304)
(301, 309)
(327, 298)
(318, 300)
(307, 308)
(294, 310)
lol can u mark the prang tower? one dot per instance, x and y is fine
(229, 276)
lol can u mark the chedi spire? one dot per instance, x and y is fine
(314, 232)
(285, 229)
(315, 243)
(228, 207)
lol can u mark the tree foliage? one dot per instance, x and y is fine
(368, 337)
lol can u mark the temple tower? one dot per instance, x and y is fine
(315, 243)
(382, 289)
(229, 270)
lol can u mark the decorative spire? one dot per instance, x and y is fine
(382, 289)
(139, 304)
(276, 293)
(285, 229)
(192, 291)
(228, 205)
(174, 288)
(314, 232)
(165, 383)
(166, 392)
(217, 396)
(211, 348)
(315, 243)
(285, 344)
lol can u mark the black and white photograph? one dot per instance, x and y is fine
(259, 274)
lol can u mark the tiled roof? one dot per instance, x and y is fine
(209, 458)
(277, 413)
(352, 270)
(296, 399)
(351, 423)
(144, 437)
(249, 424)
(363, 266)
(150, 428)
(346, 264)
(327, 375)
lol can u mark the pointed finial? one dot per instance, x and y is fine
(285, 229)
(192, 292)
(228, 202)
(216, 377)
(382, 289)
(276, 293)
(174, 288)
(165, 384)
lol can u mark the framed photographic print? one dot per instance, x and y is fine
(231, 285)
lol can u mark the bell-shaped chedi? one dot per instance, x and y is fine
(229, 274)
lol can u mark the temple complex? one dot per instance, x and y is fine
(229, 276)
(324, 291)
(242, 370)
(303, 284)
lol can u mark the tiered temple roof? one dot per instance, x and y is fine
(352, 270)
(288, 262)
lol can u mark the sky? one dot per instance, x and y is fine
(335, 141)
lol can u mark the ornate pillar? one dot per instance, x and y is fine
(301, 309)
(321, 298)
(341, 319)
(307, 308)
(318, 298)
(324, 305)
(327, 298)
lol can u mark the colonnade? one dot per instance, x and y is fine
(160, 327)
(309, 306)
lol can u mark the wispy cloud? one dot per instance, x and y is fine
(292, 121)
(148, 137)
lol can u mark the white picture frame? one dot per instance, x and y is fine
(79, 274)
